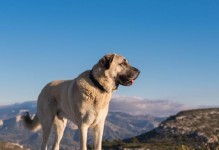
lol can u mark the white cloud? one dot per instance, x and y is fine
(138, 105)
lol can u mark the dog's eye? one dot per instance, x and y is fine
(124, 62)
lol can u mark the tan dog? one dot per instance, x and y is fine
(84, 100)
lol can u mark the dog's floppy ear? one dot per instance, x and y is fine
(107, 60)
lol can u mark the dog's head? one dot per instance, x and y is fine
(116, 67)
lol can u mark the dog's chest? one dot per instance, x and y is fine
(93, 117)
(92, 97)
(94, 103)
(95, 107)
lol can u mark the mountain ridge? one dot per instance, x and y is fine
(192, 129)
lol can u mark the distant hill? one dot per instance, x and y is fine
(10, 111)
(192, 129)
(119, 125)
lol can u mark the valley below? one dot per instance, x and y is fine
(189, 129)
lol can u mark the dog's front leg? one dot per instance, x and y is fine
(83, 139)
(98, 134)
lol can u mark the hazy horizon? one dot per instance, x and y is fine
(140, 106)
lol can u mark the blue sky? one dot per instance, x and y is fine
(175, 44)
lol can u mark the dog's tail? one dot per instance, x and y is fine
(31, 124)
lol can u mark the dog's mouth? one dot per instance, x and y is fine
(127, 81)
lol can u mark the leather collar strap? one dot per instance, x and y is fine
(95, 82)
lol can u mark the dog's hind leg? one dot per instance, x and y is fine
(46, 113)
(46, 127)
(59, 127)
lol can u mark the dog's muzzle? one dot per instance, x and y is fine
(127, 80)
